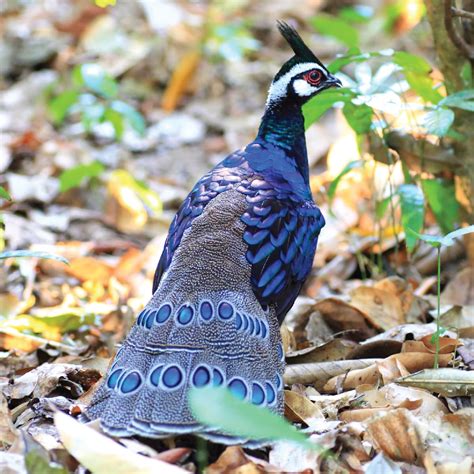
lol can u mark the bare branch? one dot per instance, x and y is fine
(463, 13)
(464, 47)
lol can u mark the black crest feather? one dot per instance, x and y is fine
(296, 42)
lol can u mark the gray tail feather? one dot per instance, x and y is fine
(222, 338)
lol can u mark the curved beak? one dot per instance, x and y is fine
(333, 81)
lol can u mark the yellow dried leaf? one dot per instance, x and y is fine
(102, 455)
(90, 268)
(395, 435)
(383, 308)
(299, 408)
(180, 80)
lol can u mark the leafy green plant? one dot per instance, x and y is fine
(372, 98)
(4, 194)
(347, 169)
(75, 176)
(32, 254)
(93, 96)
(229, 41)
(217, 407)
(438, 241)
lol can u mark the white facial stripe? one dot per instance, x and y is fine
(279, 87)
(302, 88)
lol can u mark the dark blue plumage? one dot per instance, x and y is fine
(282, 221)
(237, 254)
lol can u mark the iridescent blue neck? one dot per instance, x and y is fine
(283, 126)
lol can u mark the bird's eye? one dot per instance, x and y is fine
(313, 77)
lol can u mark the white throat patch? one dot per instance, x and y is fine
(279, 87)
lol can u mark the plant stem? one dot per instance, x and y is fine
(201, 453)
(438, 310)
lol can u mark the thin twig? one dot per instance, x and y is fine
(463, 13)
(457, 40)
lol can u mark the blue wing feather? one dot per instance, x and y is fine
(283, 222)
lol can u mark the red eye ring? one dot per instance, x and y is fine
(313, 77)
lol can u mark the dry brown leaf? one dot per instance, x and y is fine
(233, 461)
(331, 404)
(461, 318)
(446, 381)
(90, 269)
(9, 305)
(398, 395)
(352, 451)
(8, 433)
(395, 435)
(317, 373)
(11, 339)
(412, 361)
(391, 369)
(335, 349)
(173, 456)
(414, 346)
(375, 349)
(124, 209)
(383, 308)
(446, 344)
(180, 80)
(292, 458)
(39, 382)
(341, 316)
(448, 441)
(102, 455)
(130, 262)
(287, 338)
(460, 290)
(361, 414)
(299, 408)
(399, 288)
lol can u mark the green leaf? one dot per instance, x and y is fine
(217, 407)
(37, 462)
(438, 121)
(95, 79)
(133, 117)
(354, 55)
(334, 183)
(116, 119)
(4, 194)
(66, 319)
(466, 74)
(60, 105)
(423, 86)
(413, 211)
(411, 62)
(461, 100)
(381, 207)
(441, 198)
(359, 117)
(322, 102)
(32, 254)
(434, 240)
(449, 238)
(92, 114)
(73, 177)
(357, 14)
(336, 28)
(147, 195)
